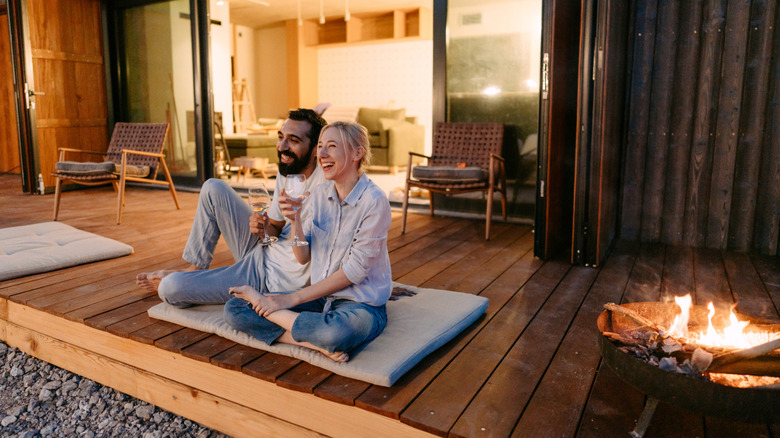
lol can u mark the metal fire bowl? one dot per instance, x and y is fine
(680, 390)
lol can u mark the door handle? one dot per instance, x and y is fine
(30, 94)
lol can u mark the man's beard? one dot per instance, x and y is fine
(296, 166)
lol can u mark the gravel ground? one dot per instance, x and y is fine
(38, 399)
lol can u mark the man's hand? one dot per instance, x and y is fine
(257, 223)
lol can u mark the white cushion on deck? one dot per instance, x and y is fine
(416, 326)
(32, 249)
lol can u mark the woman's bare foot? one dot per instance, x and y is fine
(246, 292)
(337, 356)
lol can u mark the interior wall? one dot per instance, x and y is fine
(9, 144)
(270, 72)
(395, 75)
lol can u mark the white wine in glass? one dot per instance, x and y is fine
(260, 201)
(294, 189)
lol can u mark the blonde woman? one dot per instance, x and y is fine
(344, 308)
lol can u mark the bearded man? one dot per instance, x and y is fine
(222, 212)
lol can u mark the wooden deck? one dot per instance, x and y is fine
(530, 367)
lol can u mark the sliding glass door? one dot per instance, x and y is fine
(156, 81)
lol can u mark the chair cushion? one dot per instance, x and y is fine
(84, 168)
(369, 117)
(449, 173)
(89, 168)
(137, 171)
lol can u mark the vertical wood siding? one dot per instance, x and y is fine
(702, 158)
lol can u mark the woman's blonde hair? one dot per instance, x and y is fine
(355, 136)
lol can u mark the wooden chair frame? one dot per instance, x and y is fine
(117, 180)
(496, 181)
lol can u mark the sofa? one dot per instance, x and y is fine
(392, 136)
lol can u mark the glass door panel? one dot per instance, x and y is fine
(493, 75)
(156, 76)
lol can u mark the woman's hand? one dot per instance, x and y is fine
(289, 205)
(270, 303)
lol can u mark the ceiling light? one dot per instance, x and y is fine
(322, 16)
(346, 10)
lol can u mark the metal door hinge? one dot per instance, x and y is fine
(545, 75)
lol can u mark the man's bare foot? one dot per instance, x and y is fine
(151, 280)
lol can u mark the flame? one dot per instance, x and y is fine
(731, 336)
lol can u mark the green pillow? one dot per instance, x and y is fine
(369, 117)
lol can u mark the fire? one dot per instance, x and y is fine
(731, 336)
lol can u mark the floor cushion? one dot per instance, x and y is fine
(417, 325)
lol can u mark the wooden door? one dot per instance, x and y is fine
(64, 74)
(557, 127)
(600, 139)
(9, 142)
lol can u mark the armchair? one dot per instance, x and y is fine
(392, 136)
(135, 153)
(466, 158)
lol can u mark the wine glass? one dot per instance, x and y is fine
(294, 189)
(260, 201)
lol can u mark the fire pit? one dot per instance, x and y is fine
(690, 376)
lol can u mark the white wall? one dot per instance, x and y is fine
(220, 64)
(394, 75)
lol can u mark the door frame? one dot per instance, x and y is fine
(557, 127)
(25, 118)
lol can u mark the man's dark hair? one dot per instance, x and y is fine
(315, 120)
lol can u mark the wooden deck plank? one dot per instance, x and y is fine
(747, 288)
(270, 366)
(769, 270)
(678, 279)
(126, 326)
(494, 267)
(563, 390)
(207, 348)
(450, 278)
(303, 377)
(451, 392)
(180, 339)
(341, 389)
(711, 281)
(422, 250)
(392, 401)
(645, 281)
(235, 357)
(155, 330)
(103, 320)
(514, 381)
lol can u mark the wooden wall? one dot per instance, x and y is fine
(67, 49)
(9, 144)
(702, 157)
